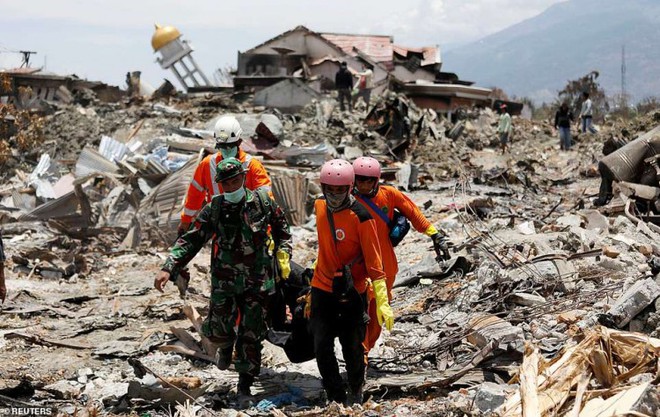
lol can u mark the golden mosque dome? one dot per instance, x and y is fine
(163, 36)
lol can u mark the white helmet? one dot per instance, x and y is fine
(227, 130)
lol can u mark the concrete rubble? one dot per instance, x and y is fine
(556, 306)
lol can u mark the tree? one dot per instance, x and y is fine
(572, 94)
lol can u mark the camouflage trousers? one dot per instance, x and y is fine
(239, 321)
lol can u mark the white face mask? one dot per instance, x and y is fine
(235, 196)
(229, 152)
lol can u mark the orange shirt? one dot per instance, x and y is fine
(356, 238)
(203, 186)
(387, 199)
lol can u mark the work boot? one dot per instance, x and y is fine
(355, 397)
(223, 358)
(245, 398)
(601, 201)
(339, 396)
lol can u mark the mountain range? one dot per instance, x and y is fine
(536, 57)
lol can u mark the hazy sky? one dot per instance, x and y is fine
(103, 39)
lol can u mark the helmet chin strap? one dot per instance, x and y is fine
(373, 191)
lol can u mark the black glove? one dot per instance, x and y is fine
(440, 247)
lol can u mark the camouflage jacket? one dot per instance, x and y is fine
(240, 256)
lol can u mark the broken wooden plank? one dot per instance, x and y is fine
(529, 372)
(185, 338)
(583, 383)
(638, 400)
(43, 341)
(193, 315)
(188, 352)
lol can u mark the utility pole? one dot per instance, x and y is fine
(26, 58)
(624, 96)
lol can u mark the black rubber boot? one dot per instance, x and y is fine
(355, 398)
(245, 398)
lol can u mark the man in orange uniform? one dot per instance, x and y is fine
(227, 132)
(385, 198)
(349, 255)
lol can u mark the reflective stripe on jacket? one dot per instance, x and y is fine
(203, 186)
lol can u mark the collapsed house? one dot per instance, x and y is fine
(315, 57)
(33, 88)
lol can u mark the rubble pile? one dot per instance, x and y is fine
(549, 305)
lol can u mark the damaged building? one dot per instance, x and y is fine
(315, 57)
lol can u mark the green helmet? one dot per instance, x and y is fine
(228, 168)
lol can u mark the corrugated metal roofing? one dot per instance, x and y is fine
(430, 54)
(112, 149)
(165, 202)
(91, 161)
(377, 47)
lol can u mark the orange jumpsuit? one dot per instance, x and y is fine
(343, 317)
(203, 186)
(387, 199)
(355, 237)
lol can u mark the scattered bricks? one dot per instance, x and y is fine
(570, 317)
(611, 252)
(645, 249)
(633, 301)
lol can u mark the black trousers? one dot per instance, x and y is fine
(346, 319)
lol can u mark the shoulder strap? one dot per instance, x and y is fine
(264, 201)
(216, 204)
(246, 163)
(375, 208)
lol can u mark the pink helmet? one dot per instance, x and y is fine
(366, 166)
(337, 172)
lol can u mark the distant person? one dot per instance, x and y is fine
(586, 113)
(366, 84)
(344, 85)
(563, 119)
(3, 288)
(504, 128)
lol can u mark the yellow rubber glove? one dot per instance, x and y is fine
(431, 231)
(283, 261)
(383, 309)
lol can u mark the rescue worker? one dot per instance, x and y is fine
(381, 201)
(227, 132)
(238, 222)
(348, 257)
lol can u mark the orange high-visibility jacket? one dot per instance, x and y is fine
(203, 186)
(357, 239)
(387, 199)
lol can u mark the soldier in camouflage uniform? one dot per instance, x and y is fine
(241, 267)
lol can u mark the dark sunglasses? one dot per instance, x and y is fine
(362, 178)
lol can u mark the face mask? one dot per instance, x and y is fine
(335, 200)
(235, 196)
(229, 152)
